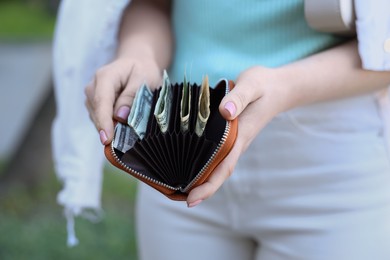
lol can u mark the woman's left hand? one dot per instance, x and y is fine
(255, 100)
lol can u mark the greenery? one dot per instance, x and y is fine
(2, 165)
(32, 225)
(25, 20)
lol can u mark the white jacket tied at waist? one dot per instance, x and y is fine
(86, 39)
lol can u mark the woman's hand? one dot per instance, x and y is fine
(262, 93)
(113, 89)
(145, 46)
(255, 100)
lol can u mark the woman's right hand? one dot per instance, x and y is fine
(111, 93)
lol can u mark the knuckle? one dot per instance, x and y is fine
(88, 91)
(210, 190)
(229, 170)
(125, 99)
(101, 73)
(90, 113)
(127, 95)
(241, 99)
(97, 101)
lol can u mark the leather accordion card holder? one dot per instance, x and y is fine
(176, 161)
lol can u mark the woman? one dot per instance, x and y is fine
(309, 172)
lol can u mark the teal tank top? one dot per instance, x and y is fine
(222, 38)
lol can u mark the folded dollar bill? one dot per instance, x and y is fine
(162, 111)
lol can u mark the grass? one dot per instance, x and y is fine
(19, 21)
(32, 225)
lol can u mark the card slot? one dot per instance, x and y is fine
(150, 160)
(181, 177)
(153, 150)
(186, 151)
(199, 145)
(167, 140)
(178, 148)
(207, 149)
(152, 123)
(162, 153)
(216, 124)
(173, 148)
(138, 163)
(157, 129)
(197, 149)
(150, 144)
(194, 148)
(195, 89)
(177, 119)
(175, 101)
(180, 152)
(165, 147)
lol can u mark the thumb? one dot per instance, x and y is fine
(237, 100)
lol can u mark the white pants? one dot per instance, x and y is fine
(314, 184)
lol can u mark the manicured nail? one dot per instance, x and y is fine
(123, 112)
(229, 106)
(103, 136)
(193, 204)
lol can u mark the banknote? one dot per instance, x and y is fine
(203, 107)
(125, 137)
(185, 106)
(140, 110)
(162, 111)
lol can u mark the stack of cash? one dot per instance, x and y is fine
(127, 135)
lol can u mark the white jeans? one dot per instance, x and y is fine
(314, 184)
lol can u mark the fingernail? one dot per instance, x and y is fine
(229, 106)
(193, 204)
(123, 112)
(103, 137)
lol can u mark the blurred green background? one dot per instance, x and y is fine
(32, 225)
(27, 19)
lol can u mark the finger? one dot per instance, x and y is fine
(237, 100)
(102, 104)
(89, 109)
(126, 98)
(219, 175)
(89, 92)
(89, 105)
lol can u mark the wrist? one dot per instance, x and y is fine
(134, 48)
(288, 86)
(279, 89)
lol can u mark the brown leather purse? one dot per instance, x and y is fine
(175, 162)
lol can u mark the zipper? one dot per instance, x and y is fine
(128, 169)
(200, 173)
(210, 160)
